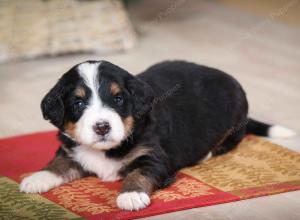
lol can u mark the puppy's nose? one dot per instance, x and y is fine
(101, 128)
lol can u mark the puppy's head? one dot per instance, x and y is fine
(97, 104)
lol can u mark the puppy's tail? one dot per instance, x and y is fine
(262, 129)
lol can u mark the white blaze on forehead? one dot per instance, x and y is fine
(96, 111)
(89, 72)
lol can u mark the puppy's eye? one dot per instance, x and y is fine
(119, 100)
(79, 104)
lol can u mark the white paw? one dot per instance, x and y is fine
(40, 182)
(133, 200)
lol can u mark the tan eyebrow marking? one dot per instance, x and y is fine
(114, 88)
(80, 92)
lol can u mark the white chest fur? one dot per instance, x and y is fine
(95, 161)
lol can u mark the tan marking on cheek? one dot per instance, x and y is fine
(80, 92)
(114, 88)
(128, 124)
(70, 128)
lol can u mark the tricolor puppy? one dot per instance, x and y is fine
(143, 128)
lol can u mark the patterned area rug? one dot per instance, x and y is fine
(255, 168)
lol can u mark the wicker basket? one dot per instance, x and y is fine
(35, 28)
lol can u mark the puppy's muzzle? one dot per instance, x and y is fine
(102, 128)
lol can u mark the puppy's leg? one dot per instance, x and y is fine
(59, 171)
(135, 191)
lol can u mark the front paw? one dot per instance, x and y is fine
(133, 200)
(40, 182)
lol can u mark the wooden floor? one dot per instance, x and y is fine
(260, 50)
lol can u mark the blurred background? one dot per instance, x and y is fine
(257, 41)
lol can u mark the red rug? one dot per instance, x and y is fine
(256, 168)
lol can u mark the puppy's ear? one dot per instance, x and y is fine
(142, 95)
(52, 104)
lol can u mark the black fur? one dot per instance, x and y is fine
(196, 116)
(54, 104)
(182, 111)
(257, 127)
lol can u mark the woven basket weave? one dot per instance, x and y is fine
(35, 28)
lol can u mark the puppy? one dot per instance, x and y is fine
(141, 129)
